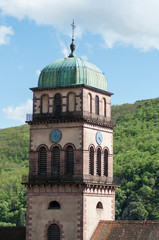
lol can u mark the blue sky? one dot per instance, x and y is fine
(121, 37)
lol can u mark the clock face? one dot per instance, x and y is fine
(55, 136)
(99, 138)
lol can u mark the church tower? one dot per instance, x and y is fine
(70, 187)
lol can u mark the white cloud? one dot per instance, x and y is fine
(84, 57)
(18, 113)
(125, 22)
(38, 72)
(4, 34)
(64, 48)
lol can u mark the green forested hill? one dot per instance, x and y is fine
(136, 162)
(14, 147)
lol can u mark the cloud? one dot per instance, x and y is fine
(4, 34)
(18, 113)
(38, 72)
(124, 22)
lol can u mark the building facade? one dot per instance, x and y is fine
(70, 186)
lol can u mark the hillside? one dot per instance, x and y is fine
(14, 156)
(136, 162)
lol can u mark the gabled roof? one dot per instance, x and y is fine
(126, 230)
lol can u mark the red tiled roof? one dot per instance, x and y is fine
(12, 233)
(126, 230)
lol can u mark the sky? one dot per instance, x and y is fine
(121, 37)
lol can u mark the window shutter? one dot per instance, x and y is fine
(97, 105)
(56, 162)
(69, 160)
(57, 104)
(106, 163)
(42, 161)
(99, 162)
(91, 161)
(54, 232)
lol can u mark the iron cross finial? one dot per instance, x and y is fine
(73, 28)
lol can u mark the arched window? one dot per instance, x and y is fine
(56, 162)
(54, 205)
(99, 162)
(97, 105)
(91, 161)
(69, 160)
(71, 102)
(104, 107)
(90, 103)
(106, 163)
(42, 161)
(57, 105)
(45, 104)
(99, 205)
(53, 232)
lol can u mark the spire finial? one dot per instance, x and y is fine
(73, 28)
(72, 46)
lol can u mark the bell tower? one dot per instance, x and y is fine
(70, 186)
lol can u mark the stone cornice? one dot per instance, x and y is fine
(36, 89)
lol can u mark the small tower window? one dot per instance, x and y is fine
(56, 162)
(53, 232)
(69, 160)
(90, 103)
(57, 105)
(42, 161)
(99, 162)
(97, 105)
(99, 205)
(91, 161)
(104, 107)
(54, 205)
(106, 163)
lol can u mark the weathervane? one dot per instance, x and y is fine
(72, 46)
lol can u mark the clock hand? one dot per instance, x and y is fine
(100, 139)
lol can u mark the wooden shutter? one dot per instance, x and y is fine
(91, 161)
(42, 161)
(57, 104)
(69, 160)
(56, 162)
(99, 162)
(97, 105)
(54, 232)
(106, 163)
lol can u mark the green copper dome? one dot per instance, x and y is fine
(72, 71)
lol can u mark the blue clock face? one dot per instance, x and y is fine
(99, 137)
(55, 136)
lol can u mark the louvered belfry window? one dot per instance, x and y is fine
(104, 106)
(105, 163)
(99, 162)
(69, 160)
(97, 105)
(56, 162)
(91, 161)
(42, 161)
(53, 232)
(57, 105)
